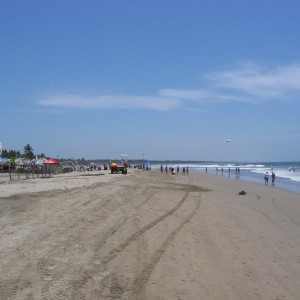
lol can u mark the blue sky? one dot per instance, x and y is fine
(156, 79)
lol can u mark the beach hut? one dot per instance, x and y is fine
(21, 162)
(51, 166)
(37, 165)
(21, 166)
(4, 164)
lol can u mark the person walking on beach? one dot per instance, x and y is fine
(161, 168)
(273, 178)
(266, 178)
(187, 170)
(177, 170)
(183, 171)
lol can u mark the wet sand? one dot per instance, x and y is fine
(147, 235)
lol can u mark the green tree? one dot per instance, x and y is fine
(11, 154)
(4, 153)
(28, 152)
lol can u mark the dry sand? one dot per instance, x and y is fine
(147, 236)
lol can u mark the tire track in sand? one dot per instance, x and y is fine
(141, 280)
(144, 229)
(40, 282)
(79, 275)
(65, 287)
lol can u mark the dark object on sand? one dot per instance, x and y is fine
(116, 169)
(242, 193)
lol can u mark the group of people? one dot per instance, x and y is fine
(185, 170)
(266, 178)
(237, 170)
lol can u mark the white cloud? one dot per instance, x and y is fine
(111, 102)
(199, 95)
(186, 94)
(248, 83)
(254, 81)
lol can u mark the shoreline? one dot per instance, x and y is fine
(246, 175)
(148, 235)
(257, 178)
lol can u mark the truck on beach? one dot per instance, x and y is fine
(116, 169)
(120, 168)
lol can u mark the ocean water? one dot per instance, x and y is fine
(287, 173)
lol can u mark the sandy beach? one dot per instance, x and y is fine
(147, 235)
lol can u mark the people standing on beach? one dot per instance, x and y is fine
(161, 168)
(187, 170)
(273, 178)
(266, 178)
(183, 171)
(177, 170)
(166, 169)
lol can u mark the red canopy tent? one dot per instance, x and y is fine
(49, 165)
(51, 161)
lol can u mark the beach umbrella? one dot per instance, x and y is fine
(51, 161)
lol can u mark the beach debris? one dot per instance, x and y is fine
(98, 174)
(242, 193)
